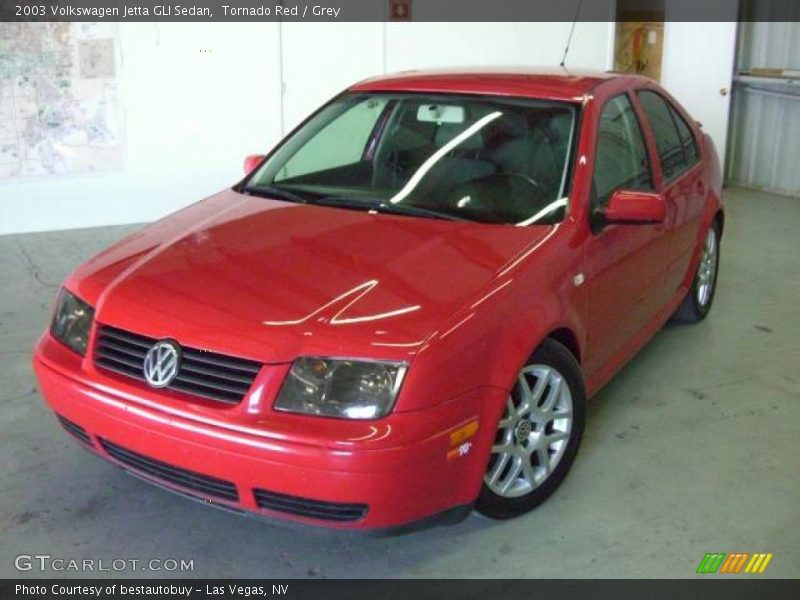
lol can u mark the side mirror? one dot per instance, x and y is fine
(633, 207)
(251, 162)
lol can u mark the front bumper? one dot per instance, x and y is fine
(368, 475)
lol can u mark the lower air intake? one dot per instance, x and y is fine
(314, 509)
(75, 430)
(188, 480)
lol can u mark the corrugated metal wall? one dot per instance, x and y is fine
(764, 150)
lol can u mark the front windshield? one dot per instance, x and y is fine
(486, 159)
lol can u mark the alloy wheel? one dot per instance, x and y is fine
(706, 272)
(533, 432)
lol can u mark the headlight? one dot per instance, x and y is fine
(341, 388)
(72, 321)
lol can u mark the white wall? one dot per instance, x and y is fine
(348, 52)
(461, 44)
(321, 59)
(191, 117)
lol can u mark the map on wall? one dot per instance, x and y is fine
(59, 101)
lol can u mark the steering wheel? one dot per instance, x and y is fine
(493, 197)
(538, 187)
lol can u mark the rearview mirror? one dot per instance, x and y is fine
(251, 162)
(440, 113)
(635, 207)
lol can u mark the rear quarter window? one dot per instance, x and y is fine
(688, 141)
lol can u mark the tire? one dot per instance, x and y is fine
(529, 461)
(697, 303)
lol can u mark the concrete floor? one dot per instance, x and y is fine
(693, 448)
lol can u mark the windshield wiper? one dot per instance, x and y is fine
(271, 191)
(384, 207)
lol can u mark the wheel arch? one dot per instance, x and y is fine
(567, 338)
(719, 218)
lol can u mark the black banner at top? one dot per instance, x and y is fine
(398, 10)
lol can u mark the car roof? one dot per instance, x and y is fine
(531, 82)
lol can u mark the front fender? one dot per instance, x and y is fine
(487, 342)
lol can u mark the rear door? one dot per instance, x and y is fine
(681, 177)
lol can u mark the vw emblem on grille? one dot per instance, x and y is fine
(161, 363)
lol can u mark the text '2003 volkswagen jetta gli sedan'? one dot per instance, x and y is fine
(400, 312)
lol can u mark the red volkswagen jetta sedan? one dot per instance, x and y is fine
(401, 311)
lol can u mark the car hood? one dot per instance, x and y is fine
(272, 280)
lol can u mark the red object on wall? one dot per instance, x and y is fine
(400, 10)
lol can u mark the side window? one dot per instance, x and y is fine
(620, 158)
(690, 151)
(668, 140)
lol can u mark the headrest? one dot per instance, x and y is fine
(513, 125)
(447, 131)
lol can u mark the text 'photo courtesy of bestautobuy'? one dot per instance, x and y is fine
(169, 590)
(306, 299)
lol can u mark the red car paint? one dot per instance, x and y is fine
(626, 206)
(465, 304)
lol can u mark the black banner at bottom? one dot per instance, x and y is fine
(462, 589)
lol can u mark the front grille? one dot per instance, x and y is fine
(189, 480)
(75, 430)
(304, 507)
(215, 376)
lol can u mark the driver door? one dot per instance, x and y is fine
(625, 263)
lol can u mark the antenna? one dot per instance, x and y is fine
(571, 31)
